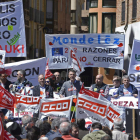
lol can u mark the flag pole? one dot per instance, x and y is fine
(68, 63)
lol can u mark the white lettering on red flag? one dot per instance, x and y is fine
(7, 100)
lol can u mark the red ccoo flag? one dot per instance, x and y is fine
(7, 100)
(47, 71)
(89, 93)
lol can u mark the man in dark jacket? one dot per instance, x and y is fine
(100, 87)
(127, 89)
(22, 82)
(42, 90)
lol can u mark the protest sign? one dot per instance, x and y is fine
(126, 101)
(12, 29)
(54, 107)
(7, 100)
(26, 105)
(93, 50)
(134, 66)
(32, 69)
(98, 110)
(2, 58)
(1, 130)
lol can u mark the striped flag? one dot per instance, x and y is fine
(75, 63)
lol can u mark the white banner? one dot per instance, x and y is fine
(134, 66)
(2, 58)
(93, 50)
(32, 68)
(55, 107)
(12, 29)
(127, 102)
(98, 110)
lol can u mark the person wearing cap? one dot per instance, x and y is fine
(99, 86)
(116, 82)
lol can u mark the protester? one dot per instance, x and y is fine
(82, 130)
(21, 80)
(33, 133)
(127, 89)
(47, 81)
(26, 119)
(117, 133)
(116, 82)
(42, 90)
(99, 86)
(96, 132)
(58, 83)
(65, 130)
(14, 129)
(45, 128)
(107, 131)
(75, 130)
(4, 82)
(2, 115)
(71, 87)
(55, 128)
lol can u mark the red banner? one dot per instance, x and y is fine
(1, 130)
(7, 100)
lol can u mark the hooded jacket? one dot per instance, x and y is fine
(97, 135)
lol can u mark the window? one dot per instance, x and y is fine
(83, 6)
(87, 4)
(109, 3)
(34, 38)
(85, 21)
(93, 23)
(123, 11)
(49, 9)
(134, 11)
(109, 23)
(93, 3)
(40, 39)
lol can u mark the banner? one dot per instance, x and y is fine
(134, 66)
(32, 68)
(98, 110)
(7, 100)
(54, 107)
(2, 58)
(127, 102)
(93, 50)
(1, 130)
(12, 29)
(26, 104)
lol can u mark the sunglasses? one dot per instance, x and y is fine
(47, 81)
(117, 80)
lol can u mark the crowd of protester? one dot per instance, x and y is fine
(32, 128)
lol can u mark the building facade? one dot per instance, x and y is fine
(102, 19)
(128, 23)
